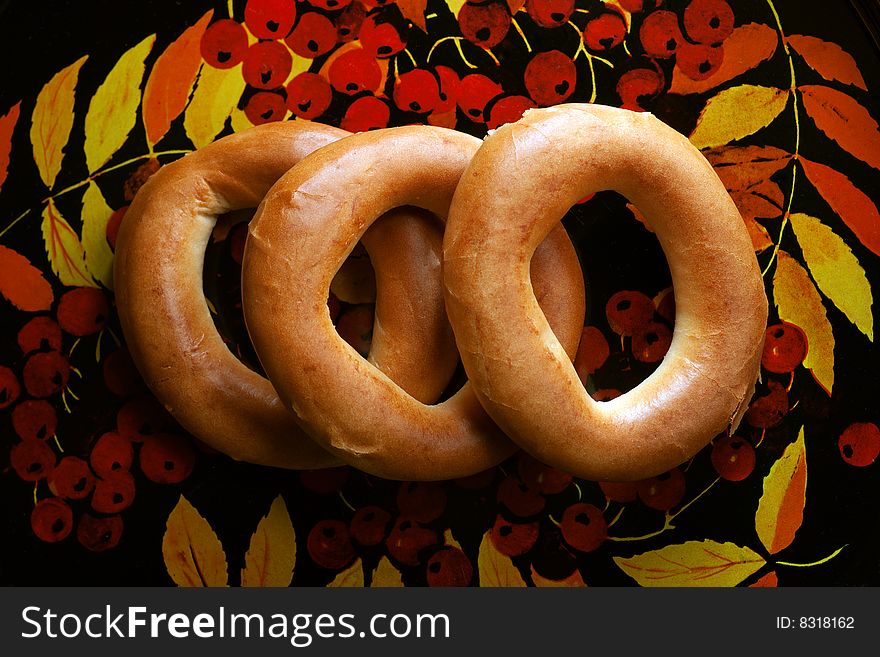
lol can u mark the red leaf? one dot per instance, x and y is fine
(850, 203)
(828, 59)
(769, 580)
(169, 85)
(7, 125)
(22, 283)
(414, 10)
(741, 167)
(844, 120)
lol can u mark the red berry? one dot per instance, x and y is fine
(224, 44)
(113, 224)
(329, 5)
(113, 494)
(859, 444)
(550, 13)
(369, 524)
(355, 326)
(474, 93)
(142, 417)
(111, 454)
(520, 499)
(698, 61)
(383, 34)
(309, 95)
(355, 71)
(120, 374)
(660, 34)
(448, 88)
(407, 540)
(366, 113)
(265, 107)
(40, 334)
(663, 491)
(167, 458)
(785, 347)
(513, 539)
(313, 36)
(71, 479)
(550, 77)
(51, 520)
(623, 491)
(583, 527)
(329, 544)
(733, 458)
(34, 419)
(651, 342)
(10, 388)
(45, 373)
(634, 6)
(417, 91)
(708, 21)
(99, 534)
(449, 566)
(349, 21)
(32, 460)
(605, 31)
(507, 109)
(628, 312)
(83, 311)
(664, 302)
(636, 85)
(422, 501)
(592, 352)
(770, 409)
(270, 19)
(485, 24)
(535, 474)
(267, 65)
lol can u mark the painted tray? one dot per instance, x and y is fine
(98, 484)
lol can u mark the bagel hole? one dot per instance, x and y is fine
(630, 304)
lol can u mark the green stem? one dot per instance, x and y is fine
(813, 563)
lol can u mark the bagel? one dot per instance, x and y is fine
(168, 327)
(357, 412)
(544, 163)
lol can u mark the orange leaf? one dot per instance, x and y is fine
(844, 120)
(496, 569)
(52, 120)
(828, 59)
(766, 581)
(575, 580)
(272, 552)
(414, 10)
(781, 507)
(849, 203)
(23, 284)
(745, 202)
(171, 80)
(515, 5)
(192, 552)
(65, 251)
(7, 126)
(695, 563)
(740, 167)
(745, 48)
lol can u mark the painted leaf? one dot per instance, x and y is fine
(496, 569)
(836, 271)
(781, 507)
(751, 206)
(171, 80)
(745, 48)
(736, 113)
(797, 301)
(271, 555)
(64, 249)
(7, 127)
(355, 282)
(449, 539)
(695, 563)
(769, 580)
(98, 255)
(239, 120)
(575, 580)
(844, 120)
(386, 575)
(515, 5)
(414, 10)
(850, 203)
(192, 552)
(346, 47)
(351, 577)
(217, 94)
(113, 109)
(828, 59)
(52, 120)
(740, 167)
(22, 284)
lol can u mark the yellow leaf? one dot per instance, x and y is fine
(52, 120)
(495, 568)
(351, 577)
(798, 302)
(300, 65)
(64, 249)
(217, 93)
(575, 580)
(113, 109)
(836, 271)
(781, 507)
(695, 563)
(98, 255)
(736, 113)
(272, 553)
(455, 6)
(386, 575)
(193, 553)
(449, 539)
(240, 121)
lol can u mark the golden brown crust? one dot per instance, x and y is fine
(348, 406)
(169, 330)
(520, 373)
